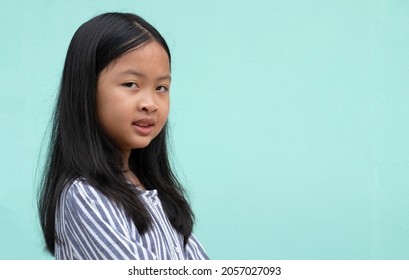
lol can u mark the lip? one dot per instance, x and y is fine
(144, 126)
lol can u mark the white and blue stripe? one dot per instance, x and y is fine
(90, 226)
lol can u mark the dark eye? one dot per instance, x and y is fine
(131, 85)
(162, 89)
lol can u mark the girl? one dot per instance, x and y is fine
(108, 190)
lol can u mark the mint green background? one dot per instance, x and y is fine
(289, 121)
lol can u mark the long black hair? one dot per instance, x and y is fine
(79, 148)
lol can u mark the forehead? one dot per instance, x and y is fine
(150, 58)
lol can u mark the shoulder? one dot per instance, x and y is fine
(82, 201)
(78, 187)
(80, 192)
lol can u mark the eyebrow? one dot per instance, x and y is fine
(135, 73)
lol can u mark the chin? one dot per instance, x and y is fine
(141, 145)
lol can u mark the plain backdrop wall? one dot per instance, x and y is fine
(289, 121)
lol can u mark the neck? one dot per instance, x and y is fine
(128, 173)
(125, 160)
(133, 179)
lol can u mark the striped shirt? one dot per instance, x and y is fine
(92, 227)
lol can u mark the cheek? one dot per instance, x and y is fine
(163, 114)
(167, 109)
(110, 113)
(165, 106)
(103, 113)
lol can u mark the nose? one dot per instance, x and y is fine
(147, 104)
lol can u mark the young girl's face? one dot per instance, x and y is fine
(133, 96)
